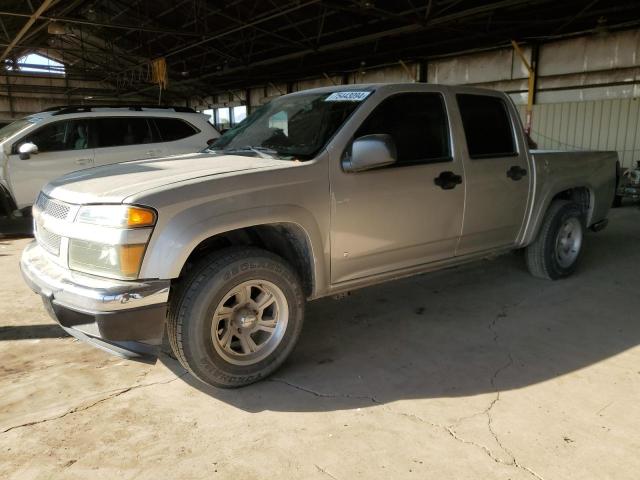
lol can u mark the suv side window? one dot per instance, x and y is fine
(487, 126)
(59, 136)
(172, 129)
(418, 124)
(120, 131)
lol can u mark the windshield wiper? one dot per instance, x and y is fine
(262, 152)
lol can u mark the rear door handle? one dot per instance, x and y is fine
(154, 152)
(84, 161)
(516, 173)
(447, 180)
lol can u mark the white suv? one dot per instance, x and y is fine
(43, 146)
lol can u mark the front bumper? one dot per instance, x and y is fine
(123, 317)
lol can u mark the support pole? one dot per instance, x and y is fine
(531, 86)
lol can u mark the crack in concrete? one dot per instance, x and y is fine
(324, 470)
(449, 429)
(82, 408)
(322, 394)
(487, 411)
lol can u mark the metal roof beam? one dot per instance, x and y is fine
(32, 18)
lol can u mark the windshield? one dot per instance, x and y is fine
(295, 127)
(13, 128)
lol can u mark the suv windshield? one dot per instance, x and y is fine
(294, 126)
(14, 127)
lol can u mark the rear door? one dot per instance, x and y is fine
(63, 147)
(121, 139)
(496, 170)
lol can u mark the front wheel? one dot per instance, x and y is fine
(555, 251)
(236, 317)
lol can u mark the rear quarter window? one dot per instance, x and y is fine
(172, 129)
(487, 126)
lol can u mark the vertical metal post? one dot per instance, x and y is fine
(423, 71)
(10, 97)
(531, 86)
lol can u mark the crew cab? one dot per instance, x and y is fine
(316, 193)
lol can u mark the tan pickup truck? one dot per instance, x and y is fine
(314, 194)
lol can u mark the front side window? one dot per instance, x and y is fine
(293, 126)
(14, 127)
(121, 131)
(60, 136)
(487, 126)
(418, 124)
(172, 129)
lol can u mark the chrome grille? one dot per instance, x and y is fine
(47, 240)
(52, 207)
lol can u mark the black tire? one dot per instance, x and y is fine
(196, 298)
(541, 257)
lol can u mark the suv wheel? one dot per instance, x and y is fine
(554, 253)
(236, 317)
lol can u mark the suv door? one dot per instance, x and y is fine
(497, 173)
(396, 217)
(63, 147)
(121, 139)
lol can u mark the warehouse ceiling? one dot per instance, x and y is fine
(214, 46)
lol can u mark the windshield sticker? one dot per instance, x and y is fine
(347, 96)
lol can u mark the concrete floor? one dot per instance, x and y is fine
(481, 372)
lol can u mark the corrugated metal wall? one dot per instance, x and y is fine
(594, 125)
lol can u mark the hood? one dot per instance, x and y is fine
(113, 183)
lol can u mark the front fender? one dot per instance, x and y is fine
(171, 246)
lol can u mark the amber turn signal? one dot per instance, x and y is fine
(140, 217)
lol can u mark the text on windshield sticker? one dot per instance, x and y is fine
(347, 96)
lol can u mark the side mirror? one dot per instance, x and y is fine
(370, 151)
(26, 150)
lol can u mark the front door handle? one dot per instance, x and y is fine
(84, 161)
(516, 173)
(153, 152)
(447, 180)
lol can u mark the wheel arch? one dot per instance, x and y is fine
(290, 232)
(583, 195)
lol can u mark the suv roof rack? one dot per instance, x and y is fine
(61, 110)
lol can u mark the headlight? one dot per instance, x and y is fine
(122, 216)
(115, 246)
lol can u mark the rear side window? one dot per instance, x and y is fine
(418, 124)
(174, 129)
(121, 131)
(487, 126)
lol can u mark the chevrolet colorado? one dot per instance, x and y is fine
(316, 193)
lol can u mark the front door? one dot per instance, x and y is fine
(63, 147)
(397, 217)
(497, 173)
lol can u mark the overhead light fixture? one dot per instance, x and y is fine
(55, 28)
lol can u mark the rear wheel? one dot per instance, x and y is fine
(554, 253)
(237, 317)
